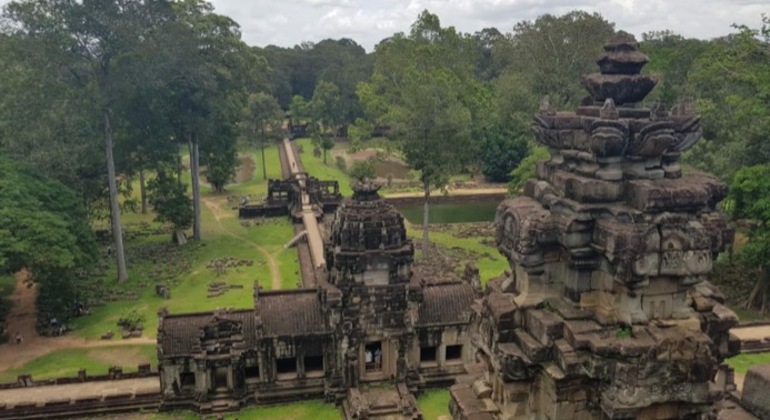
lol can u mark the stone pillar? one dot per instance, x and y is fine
(441, 355)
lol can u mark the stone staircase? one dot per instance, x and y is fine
(381, 402)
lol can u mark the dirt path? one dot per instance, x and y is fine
(22, 319)
(275, 275)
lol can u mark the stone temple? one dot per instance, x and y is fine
(370, 334)
(605, 313)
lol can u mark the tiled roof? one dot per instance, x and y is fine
(291, 313)
(447, 303)
(180, 333)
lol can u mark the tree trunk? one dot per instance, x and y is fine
(142, 191)
(179, 166)
(426, 221)
(324, 156)
(194, 170)
(262, 147)
(114, 207)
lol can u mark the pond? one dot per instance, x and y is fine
(483, 211)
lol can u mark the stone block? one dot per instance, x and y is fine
(756, 391)
(482, 389)
(544, 326)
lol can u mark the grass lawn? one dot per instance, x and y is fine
(96, 361)
(222, 238)
(434, 404)
(329, 171)
(304, 410)
(488, 259)
(742, 362)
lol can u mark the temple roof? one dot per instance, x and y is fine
(366, 222)
(181, 332)
(447, 303)
(291, 313)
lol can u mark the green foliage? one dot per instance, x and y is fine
(624, 332)
(502, 150)
(424, 89)
(358, 133)
(132, 320)
(44, 230)
(342, 165)
(750, 193)
(363, 169)
(169, 199)
(300, 109)
(325, 107)
(527, 167)
(552, 52)
(732, 82)
(219, 152)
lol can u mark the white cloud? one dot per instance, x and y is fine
(290, 22)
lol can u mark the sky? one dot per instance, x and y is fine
(289, 22)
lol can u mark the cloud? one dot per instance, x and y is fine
(290, 22)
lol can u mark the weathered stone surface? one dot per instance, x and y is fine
(605, 312)
(756, 391)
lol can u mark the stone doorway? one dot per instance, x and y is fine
(220, 379)
(373, 357)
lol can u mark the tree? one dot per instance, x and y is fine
(44, 229)
(264, 117)
(358, 133)
(170, 201)
(326, 107)
(526, 169)
(92, 40)
(552, 52)
(50, 123)
(732, 82)
(220, 154)
(423, 86)
(671, 58)
(205, 56)
(299, 109)
(363, 169)
(502, 150)
(319, 140)
(750, 192)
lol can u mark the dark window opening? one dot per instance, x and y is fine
(454, 352)
(251, 372)
(220, 378)
(427, 354)
(314, 364)
(373, 356)
(187, 379)
(286, 365)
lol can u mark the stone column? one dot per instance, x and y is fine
(441, 355)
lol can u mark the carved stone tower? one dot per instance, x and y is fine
(369, 258)
(606, 312)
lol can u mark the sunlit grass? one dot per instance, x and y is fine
(488, 259)
(434, 404)
(303, 410)
(742, 362)
(95, 360)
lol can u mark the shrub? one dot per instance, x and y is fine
(341, 163)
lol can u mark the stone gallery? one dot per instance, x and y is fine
(371, 320)
(605, 313)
